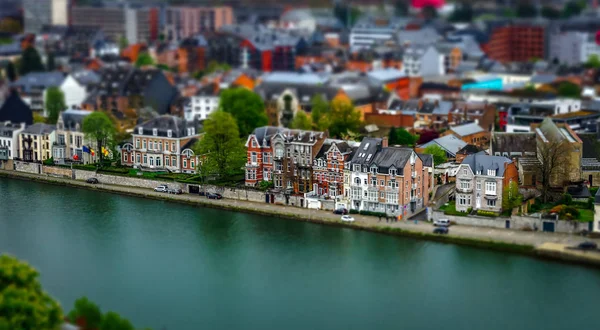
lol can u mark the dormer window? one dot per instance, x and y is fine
(491, 172)
(373, 170)
(140, 130)
(169, 133)
(154, 131)
(393, 172)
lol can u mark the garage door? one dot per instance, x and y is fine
(548, 226)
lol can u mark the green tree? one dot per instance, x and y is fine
(144, 59)
(347, 14)
(569, 89)
(23, 303)
(113, 321)
(319, 113)
(401, 7)
(222, 149)
(301, 121)
(401, 136)
(439, 155)
(593, 62)
(462, 13)
(55, 103)
(30, 61)
(50, 62)
(123, 42)
(11, 71)
(526, 10)
(86, 314)
(511, 197)
(246, 107)
(98, 126)
(573, 8)
(550, 12)
(343, 118)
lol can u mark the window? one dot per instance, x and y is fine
(491, 172)
(393, 172)
(158, 162)
(143, 144)
(137, 158)
(279, 152)
(266, 158)
(382, 183)
(140, 130)
(382, 195)
(478, 185)
(365, 182)
(154, 132)
(465, 172)
(151, 161)
(145, 159)
(173, 147)
(357, 181)
(465, 185)
(254, 143)
(491, 202)
(490, 188)
(168, 161)
(169, 133)
(253, 157)
(192, 163)
(374, 182)
(160, 146)
(356, 168)
(373, 170)
(185, 163)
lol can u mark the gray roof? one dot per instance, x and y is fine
(513, 142)
(288, 77)
(543, 78)
(71, 118)
(39, 79)
(7, 129)
(427, 159)
(423, 36)
(467, 129)
(450, 143)
(443, 108)
(39, 129)
(483, 162)
(86, 77)
(391, 157)
(365, 153)
(163, 124)
(387, 74)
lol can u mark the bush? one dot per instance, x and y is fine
(565, 211)
(567, 199)
(88, 167)
(49, 161)
(353, 211)
(487, 213)
(593, 191)
(590, 203)
(469, 210)
(371, 213)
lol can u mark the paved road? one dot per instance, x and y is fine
(500, 235)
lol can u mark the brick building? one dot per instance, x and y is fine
(516, 41)
(328, 167)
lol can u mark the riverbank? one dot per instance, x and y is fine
(527, 243)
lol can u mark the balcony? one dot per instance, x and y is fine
(464, 190)
(414, 186)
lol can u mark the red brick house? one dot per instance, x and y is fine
(328, 167)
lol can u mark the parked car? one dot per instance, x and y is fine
(441, 223)
(440, 230)
(175, 191)
(214, 196)
(92, 180)
(341, 211)
(347, 218)
(589, 245)
(162, 188)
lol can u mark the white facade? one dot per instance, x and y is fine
(75, 93)
(572, 47)
(60, 12)
(561, 106)
(201, 107)
(10, 139)
(422, 64)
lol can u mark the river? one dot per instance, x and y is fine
(178, 267)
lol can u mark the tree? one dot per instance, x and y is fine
(50, 62)
(511, 197)
(55, 103)
(246, 107)
(11, 72)
(526, 10)
(401, 136)
(462, 13)
(301, 121)
(85, 314)
(569, 89)
(439, 155)
(319, 113)
(30, 61)
(347, 14)
(144, 59)
(123, 42)
(550, 12)
(593, 62)
(343, 118)
(97, 126)
(553, 160)
(573, 8)
(23, 303)
(220, 147)
(427, 135)
(113, 321)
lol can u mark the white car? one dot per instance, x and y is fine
(162, 188)
(347, 218)
(441, 223)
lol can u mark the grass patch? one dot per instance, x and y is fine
(586, 215)
(450, 209)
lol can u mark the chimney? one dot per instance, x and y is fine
(384, 142)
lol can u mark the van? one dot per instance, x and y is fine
(441, 223)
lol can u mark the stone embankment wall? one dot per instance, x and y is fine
(514, 222)
(122, 180)
(34, 168)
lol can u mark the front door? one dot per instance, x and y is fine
(507, 224)
(591, 180)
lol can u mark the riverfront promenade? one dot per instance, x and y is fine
(534, 239)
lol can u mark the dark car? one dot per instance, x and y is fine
(440, 230)
(342, 211)
(175, 191)
(214, 196)
(92, 180)
(588, 245)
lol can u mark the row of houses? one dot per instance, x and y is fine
(369, 175)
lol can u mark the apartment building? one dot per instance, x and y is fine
(35, 142)
(284, 156)
(205, 102)
(480, 181)
(328, 167)
(386, 179)
(520, 116)
(186, 22)
(372, 31)
(165, 142)
(516, 40)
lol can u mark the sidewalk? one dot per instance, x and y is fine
(479, 233)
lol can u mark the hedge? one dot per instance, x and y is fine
(487, 213)
(372, 213)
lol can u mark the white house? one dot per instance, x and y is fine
(205, 102)
(9, 139)
(422, 61)
(77, 85)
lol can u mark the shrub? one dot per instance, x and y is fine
(567, 199)
(353, 211)
(469, 210)
(590, 203)
(593, 191)
(49, 161)
(558, 209)
(487, 213)
(372, 213)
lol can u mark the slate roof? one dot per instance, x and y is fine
(391, 157)
(450, 143)
(304, 93)
(365, 153)
(86, 77)
(579, 191)
(71, 118)
(513, 142)
(15, 110)
(264, 134)
(423, 36)
(467, 129)
(8, 129)
(39, 79)
(469, 149)
(483, 162)
(427, 159)
(387, 74)
(163, 124)
(287, 77)
(39, 129)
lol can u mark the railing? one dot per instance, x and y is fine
(464, 190)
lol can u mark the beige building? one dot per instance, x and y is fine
(70, 138)
(35, 142)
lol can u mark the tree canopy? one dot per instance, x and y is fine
(439, 155)
(550, 12)
(246, 107)
(55, 103)
(98, 126)
(573, 8)
(343, 118)
(221, 148)
(593, 62)
(144, 59)
(427, 135)
(400, 136)
(114, 321)
(23, 303)
(511, 197)
(319, 113)
(31, 61)
(569, 89)
(347, 14)
(85, 314)
(301, 121)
